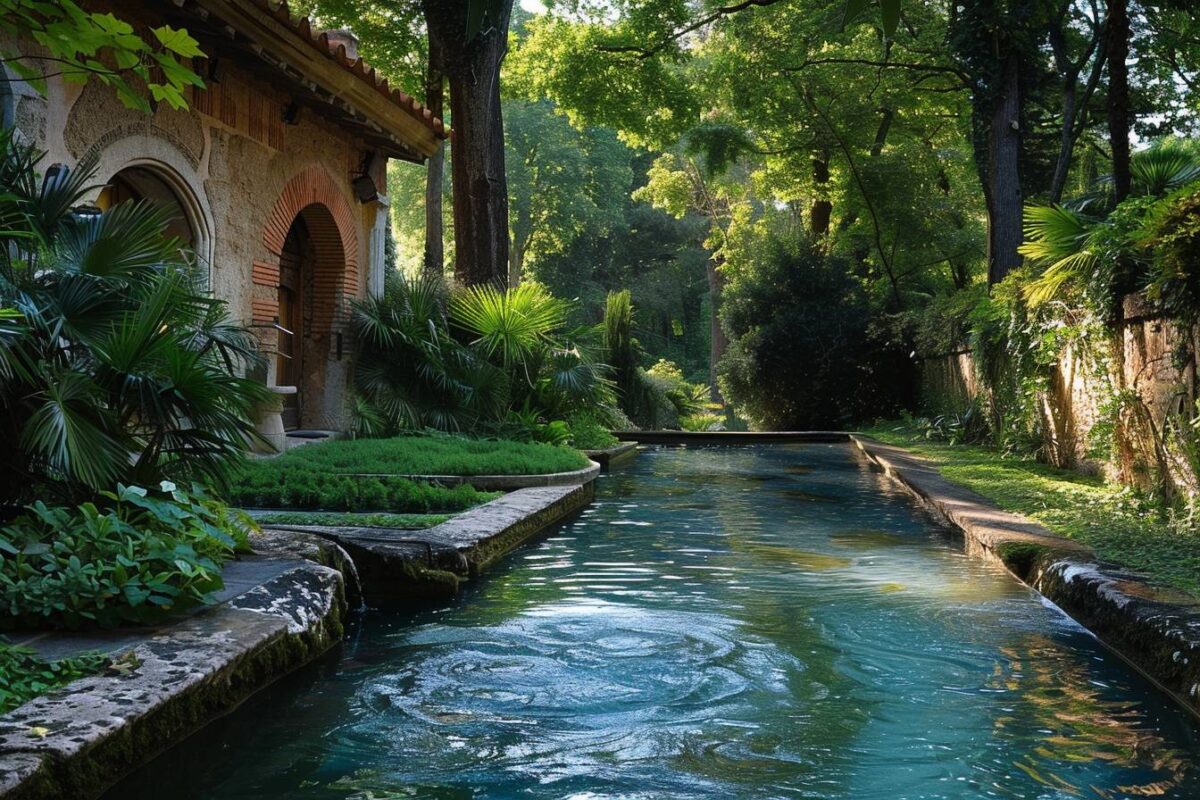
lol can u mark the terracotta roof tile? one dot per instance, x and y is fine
(303, 28)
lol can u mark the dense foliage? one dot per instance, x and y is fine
(478, 360)
(351, 520)
(23, 675)
(803, 354)
(113, 366)
(139, 558)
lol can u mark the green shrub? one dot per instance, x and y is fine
(803, 353)
(24, 676)
(114, 367)
(137, 560)
(702, 422)
(469, 359)
(1172, 232)
(587, 433)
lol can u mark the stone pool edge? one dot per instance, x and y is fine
(396, 567)
(1155, 631)
(79, 740)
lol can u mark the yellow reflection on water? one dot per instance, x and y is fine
(1060, 703)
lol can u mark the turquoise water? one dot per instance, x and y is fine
(758, 622)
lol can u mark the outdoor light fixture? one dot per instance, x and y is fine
(364, 185)
(291, 113)
(87, 211)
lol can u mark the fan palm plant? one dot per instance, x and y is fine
(1082, 243)
(412, 373)
(113, 367)
(480, 359)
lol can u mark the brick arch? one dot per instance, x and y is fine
(313, 195)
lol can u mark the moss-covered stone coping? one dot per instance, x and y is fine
(730, 437)
(1154, 629)
(610, 456)
(78, 740)
(399, 566)
(501, 483)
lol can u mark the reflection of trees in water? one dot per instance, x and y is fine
(1060, 705)
(806, 743)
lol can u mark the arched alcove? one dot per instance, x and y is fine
(143, 166)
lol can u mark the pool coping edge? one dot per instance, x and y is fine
(1144, 625)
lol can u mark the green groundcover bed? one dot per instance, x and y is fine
(350, 520)
(433, 455)
(1119, 524)
(24, 675)
(363, 474)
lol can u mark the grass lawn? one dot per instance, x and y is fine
(432, 455)
(335, 518)
(1118, 524)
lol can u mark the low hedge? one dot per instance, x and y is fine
(351, 520)
(276, 483)
(425, 455)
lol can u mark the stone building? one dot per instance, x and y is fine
(276, 173)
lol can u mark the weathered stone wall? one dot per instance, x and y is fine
(236, 167)
(1155, 368)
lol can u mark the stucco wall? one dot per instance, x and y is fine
(229, 168)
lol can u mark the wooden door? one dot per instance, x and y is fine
(289, 360)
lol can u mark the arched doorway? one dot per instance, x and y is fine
(312, 263)
(302, 293)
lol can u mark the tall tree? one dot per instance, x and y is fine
(473, 43)
(435, 86)
(1117, 50)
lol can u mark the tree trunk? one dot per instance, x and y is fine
(718, 341)
(516, 259)
(1004, 196)
(477, 143)
(435, 84)
(822, 210)
(1117, 47)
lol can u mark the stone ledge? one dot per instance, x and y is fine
(1155, 630)
(78, 740)
(500, 483)
(398, 566)
(609, 456)
(731, 437)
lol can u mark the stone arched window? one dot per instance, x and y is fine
(143, 166)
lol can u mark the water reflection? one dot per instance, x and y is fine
(756, 622)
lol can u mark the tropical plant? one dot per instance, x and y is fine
(412, 372)
(1171, 235)
(479, 359)
(113, 367)
(1089, 244)
(643, 397)
(140, 557)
